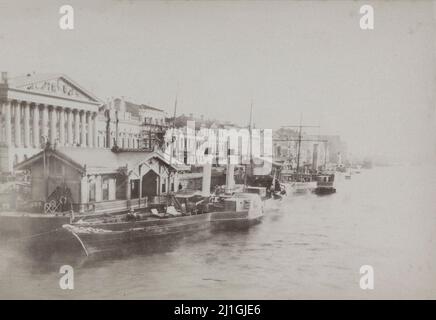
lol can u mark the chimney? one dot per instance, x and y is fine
(4, 77)
(122, 104)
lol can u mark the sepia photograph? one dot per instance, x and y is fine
(217, 151)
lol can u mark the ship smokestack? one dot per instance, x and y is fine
(207, 173)
(339, 158)
(230, 174)
(4, 78)
(230, 178)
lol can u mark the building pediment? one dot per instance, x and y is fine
(54, 85)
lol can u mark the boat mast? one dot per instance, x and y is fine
(300, 139)
(172, 130)
(250, 145)
(325, 155)
(299, 146)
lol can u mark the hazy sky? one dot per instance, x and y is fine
(376, 88)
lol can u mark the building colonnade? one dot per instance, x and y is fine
(29, 125)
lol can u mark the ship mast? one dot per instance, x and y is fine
(299, 146)
(300, 139)
(250, 145)
(172, 130)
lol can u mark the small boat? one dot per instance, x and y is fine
(239, 211)
(113, 233)
(341, 168)
(302, 187)
(300, 183)
(325, 184)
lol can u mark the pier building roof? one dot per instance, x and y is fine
(98, 161)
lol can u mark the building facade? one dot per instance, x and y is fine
(36, 109)
(98, 179)
(327, 148)
(129, 125)
(40, 108)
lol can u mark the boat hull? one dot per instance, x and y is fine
(16, 224)
(98, 238)
(234, 220)
(302, 187)
(324, 190)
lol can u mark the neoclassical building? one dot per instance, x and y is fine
(44, 107)
(39, 108)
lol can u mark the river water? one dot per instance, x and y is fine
(307, 247)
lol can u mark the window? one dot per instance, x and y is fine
(164, 187)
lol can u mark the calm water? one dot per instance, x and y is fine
(309, 247)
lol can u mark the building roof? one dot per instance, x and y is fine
(32, 78)
(95, 160)
(134, 108)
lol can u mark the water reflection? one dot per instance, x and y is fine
(308, 247)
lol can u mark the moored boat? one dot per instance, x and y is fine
(298, 183)
(239, 211)
(325, 184)
(113, 233)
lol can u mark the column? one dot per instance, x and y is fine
(98, 189)
(62, 127)
(83, 129)
(90, 131)
(53, 121)
(17, 129)
(76, 127)
(109, 142)
(45, 122)
(118, 141)
(94, 129)
(26, 125)
(8, 133)
(70, 137)
(112, 189)
(36, 126)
